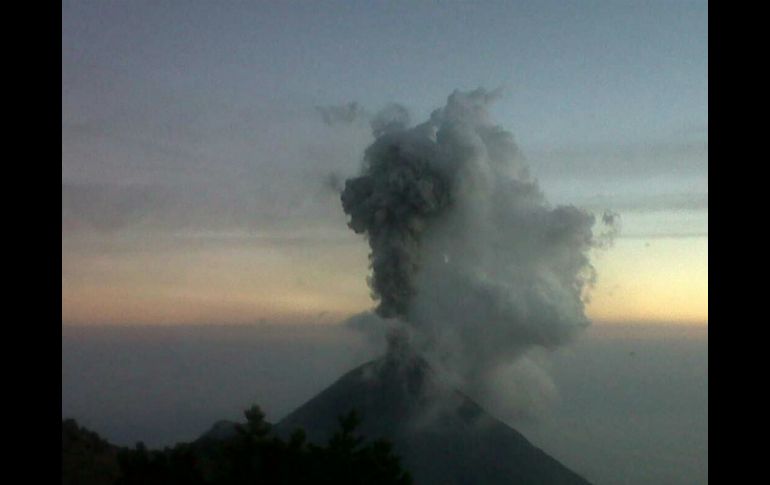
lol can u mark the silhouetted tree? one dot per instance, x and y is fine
(255, 456)
(86, 458)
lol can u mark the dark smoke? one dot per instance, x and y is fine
(393, 203)
(393, 117)
(467, 256)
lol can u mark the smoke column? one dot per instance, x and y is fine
(466, 254)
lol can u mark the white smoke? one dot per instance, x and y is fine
(466, 253)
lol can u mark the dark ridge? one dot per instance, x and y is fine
(87, 458)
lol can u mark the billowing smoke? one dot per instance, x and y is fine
(400, 195)
(466, 254)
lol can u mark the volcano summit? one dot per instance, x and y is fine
(442, 435)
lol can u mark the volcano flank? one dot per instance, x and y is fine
(442, 436)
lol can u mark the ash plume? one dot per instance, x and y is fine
(467, 256)
(393, 203)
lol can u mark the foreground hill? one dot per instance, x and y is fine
(87, 459)
(242, 454)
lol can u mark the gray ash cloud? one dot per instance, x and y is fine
(393, 203)
(467, 256)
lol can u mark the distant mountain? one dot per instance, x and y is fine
(442, 436)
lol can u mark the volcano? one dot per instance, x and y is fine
(442, 436)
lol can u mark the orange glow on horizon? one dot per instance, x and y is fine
(657, 281)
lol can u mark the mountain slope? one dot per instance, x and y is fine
(87, 459)
(443, 436)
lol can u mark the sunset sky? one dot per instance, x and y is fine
(196, 167)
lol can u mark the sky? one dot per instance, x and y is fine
(199, 197)
(196, 165)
